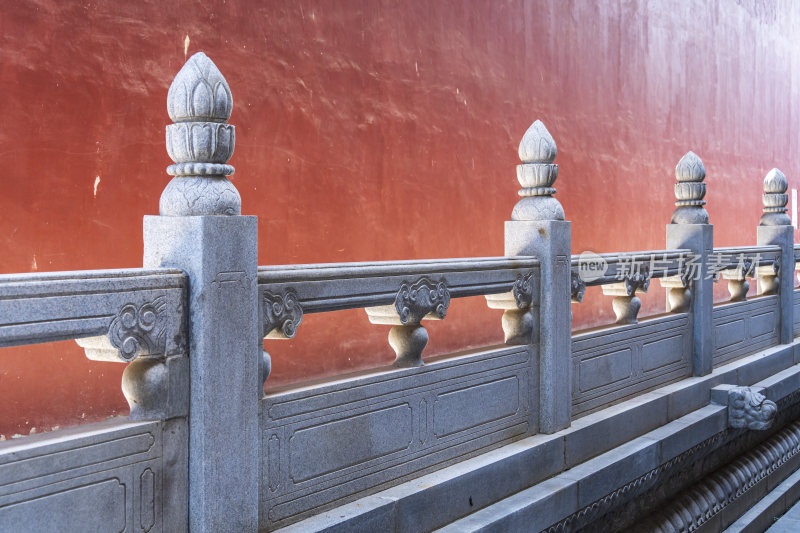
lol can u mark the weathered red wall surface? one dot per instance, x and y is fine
(377, 130)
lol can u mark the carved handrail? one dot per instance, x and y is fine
(398, 293)
(624, 274)
(129, 313)
(619, 265)
(732, 257)
(335, 286)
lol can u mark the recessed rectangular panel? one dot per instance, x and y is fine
(479, 404)
(662, 352)
(65, 460)
(605, 369)
(350, 441)
(729, 333)
(613, 363)
(763, 324)
(98, 507)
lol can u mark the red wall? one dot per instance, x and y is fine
(377, 130)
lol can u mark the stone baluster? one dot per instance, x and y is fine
(415, 302)
(737, 280)
(537, 228)
(626, 304)
(775, 228)
(200, 231)
(693, 292)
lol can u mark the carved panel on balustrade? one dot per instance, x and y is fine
(611, 364)
(328, 444)
(741, 328)
(97, 477)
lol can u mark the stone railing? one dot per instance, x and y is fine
(136, 469)
(259, 461)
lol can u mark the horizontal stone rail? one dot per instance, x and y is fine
(624, 274)
(131, 313)
(336, 286)
(619, 266)
(734, 256)
(397, 293)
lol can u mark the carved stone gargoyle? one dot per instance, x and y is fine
(747, 407)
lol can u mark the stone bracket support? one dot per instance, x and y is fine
(424, 299)
(679, 293)
(737, 281)
(518, 310)
(625, 303)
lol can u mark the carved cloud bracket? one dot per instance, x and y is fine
(137, 330)
(742, 271)
(424, 299)
(747, 406)
(282, 314)
(518, 305)
(523, 291)
(638, 282)
(520, 297)
(577, 287)
(769, 277)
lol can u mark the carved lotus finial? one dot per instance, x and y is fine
(537, 174)
(775, 182)
(199, 93)
(775, 199)
(689, 191)
(537, 145)
(200, 142)
(690, 168)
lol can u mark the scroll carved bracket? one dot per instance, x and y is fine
(519, 298)
(626, 304)
(423, 299)
(137, 330)
(523, 290)
(769, 277)
(518, 308)
(578, 287)
(283, 314)
(737, 280)
(638, 282)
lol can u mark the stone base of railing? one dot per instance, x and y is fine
(588, 472)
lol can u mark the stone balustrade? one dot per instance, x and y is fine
(216, 453)
(396, 293)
